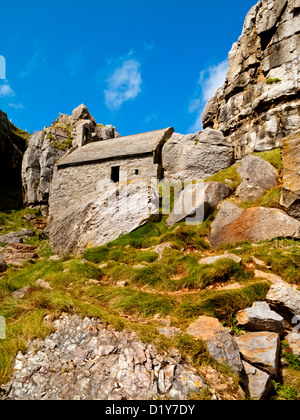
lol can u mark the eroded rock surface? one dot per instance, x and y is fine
(259, 102)
(83, 360)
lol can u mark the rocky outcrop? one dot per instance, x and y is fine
(234, 224)
(259, 102)
(83, 360)
(200, 199)
(290, 152)
(46, 147)
(196, 156)
(258, 177)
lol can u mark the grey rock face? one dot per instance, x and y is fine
(221, 345)
(201, 199)
(261, 349)
(260, 318)
(258, 177)
(46, 147)
(233, 224)
(16, 237)
(196, 156)
(94, 220)
(256, 383)
(83, 360)
(259, 102)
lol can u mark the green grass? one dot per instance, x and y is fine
(229, 176)
(273, 157)
(271, 81)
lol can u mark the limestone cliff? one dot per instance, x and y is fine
(259, 103)
(46, 147)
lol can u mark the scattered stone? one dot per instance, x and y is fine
(93, 282)
(43, 284)
(54, 258)
(212, 260)
(16, 237)
(221, 345)
(200, 199)
(3, 265)
(122, 283)
(285, 300)
(260, 318)
(29, 217)
(169, 332)
(258, 261)
(234, 224)
(258, 176)
(261, 349)
(256, 383)
(21, 293)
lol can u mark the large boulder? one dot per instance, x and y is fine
(290, 152)
(259, 102)
(234, 224)
(221, 345)
(260, 318)
(258, 177)
(261, 349)
(101, 217)
(200, 199)
(196, 156)
(285, 300)
(46, 147)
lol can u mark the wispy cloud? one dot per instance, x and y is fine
(209, 81)
(124, 84)
(16, 106)
(6, 90)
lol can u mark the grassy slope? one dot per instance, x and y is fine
(173, 286)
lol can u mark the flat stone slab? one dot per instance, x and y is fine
(260, 318)
(21, 293)
(221, 345)
(261, 349)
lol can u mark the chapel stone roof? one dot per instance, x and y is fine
(123, 147)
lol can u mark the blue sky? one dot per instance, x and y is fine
(137, 64)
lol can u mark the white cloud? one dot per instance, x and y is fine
(6, 90)
(16, 106)
(124, 84)
(209, 81)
